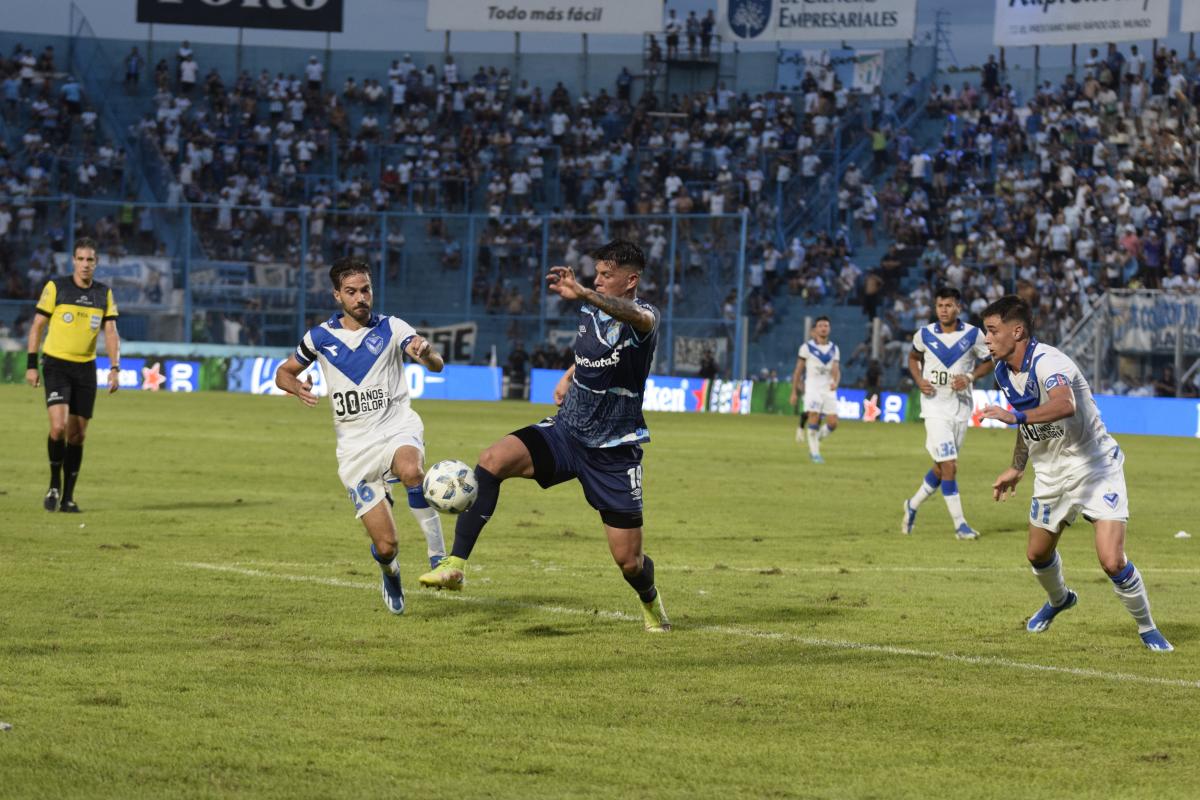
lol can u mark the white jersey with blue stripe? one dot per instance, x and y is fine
(364, 373)
(1063, 452)
(949, 353)
(818, 363)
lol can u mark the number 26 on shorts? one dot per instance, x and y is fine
(361, 491)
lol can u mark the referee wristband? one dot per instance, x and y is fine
(1020, 415)
(31, 361)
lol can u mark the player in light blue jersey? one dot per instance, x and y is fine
(1078, 467)
(948, 356)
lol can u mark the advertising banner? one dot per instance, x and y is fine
(860, 70)
(292, 15)
(1189, 17)
(1028, 22)
(152, 375)
(545, 16)
(456, 343)
(1151, 323)
(808, 21)
(455, 382)
(1155, 416)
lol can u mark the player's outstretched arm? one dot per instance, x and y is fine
(287, 378)
(421, 350)
(1060, 404)
(1005, 485)
(562, 282)
(32, 377)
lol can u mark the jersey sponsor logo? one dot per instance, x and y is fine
(94, 322)
(374, 343)
(1057, 379)
(1042, 433)
(353, 402)
(333, 350)
(68, 317)
(599, 363)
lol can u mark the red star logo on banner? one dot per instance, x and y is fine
(152, 377)
(871, 408)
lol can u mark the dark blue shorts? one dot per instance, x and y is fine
(611, 476)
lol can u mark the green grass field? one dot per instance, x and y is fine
(211, 626)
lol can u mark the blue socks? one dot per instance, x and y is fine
(643, 582)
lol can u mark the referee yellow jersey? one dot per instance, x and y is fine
(76, 317)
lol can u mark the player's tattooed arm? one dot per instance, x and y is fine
(1020, 455)
(621, 308)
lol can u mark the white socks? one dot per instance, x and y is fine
(1050, 576)
(1132, 593)
(431, 526)
(814, 442)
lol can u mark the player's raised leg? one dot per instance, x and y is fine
(377, 519)
(828, 425)
(625, 544)
(1042, 552)
(507, 458)
(408, 466)
(1127, 582)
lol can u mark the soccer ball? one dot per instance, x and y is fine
(450, 486)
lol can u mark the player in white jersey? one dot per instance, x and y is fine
(948, 356)
(818, 370)
(380, 439)
(1078, 467)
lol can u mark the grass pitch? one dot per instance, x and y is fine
(212, 627)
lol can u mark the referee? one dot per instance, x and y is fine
(74, 308)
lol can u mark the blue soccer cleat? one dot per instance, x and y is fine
(1046, 614)
(909, 519)
(966, 532)
(816, 459)
(1156, 641)
(393, 593)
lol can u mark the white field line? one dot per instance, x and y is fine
(540, 566)
(728, 630)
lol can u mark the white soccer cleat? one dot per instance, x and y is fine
(909, 519)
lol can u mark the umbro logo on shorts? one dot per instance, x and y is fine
(1111, 498)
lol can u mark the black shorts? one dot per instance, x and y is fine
(611, 476)
(70, 382)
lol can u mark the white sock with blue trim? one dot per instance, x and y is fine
(1050, 575)
(928, 487)
(814, 441)
(824, 431)
(429, 521)
(953, 502)
(1132, 592)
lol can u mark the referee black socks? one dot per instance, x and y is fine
(57, 449)
(71, 461)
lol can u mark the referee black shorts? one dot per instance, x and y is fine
(70, 382)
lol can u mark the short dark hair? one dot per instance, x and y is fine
(347, 265)
(1011, 308)
(85, 242)
(623, 253)
(821, 318)
(948, 291)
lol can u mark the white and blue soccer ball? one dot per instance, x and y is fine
(450, 486)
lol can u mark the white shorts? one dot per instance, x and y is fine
(1099, 494)
(821, 402)
(367, 473)
(944, 438)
